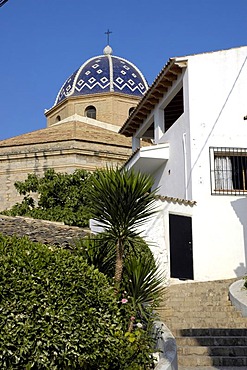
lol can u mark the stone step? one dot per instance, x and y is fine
(214, 332)
(212, 368)
(211, 341)
(185, 306)
(210, 322)
(175, 327)
(176, 322)
(195, 296)
(196, 290)
(193, 360)
(193, 302)
(206, 314)
(200, 297)
(200, 308)
(224, 351)
(179, 284)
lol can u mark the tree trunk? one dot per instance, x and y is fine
(119, 262)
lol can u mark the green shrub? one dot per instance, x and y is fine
(56, 312)
(61, 197)
(143, 282)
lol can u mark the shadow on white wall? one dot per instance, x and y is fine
(240, 208)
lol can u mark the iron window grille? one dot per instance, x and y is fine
(228, 168)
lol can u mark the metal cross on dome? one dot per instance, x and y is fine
(108, 35)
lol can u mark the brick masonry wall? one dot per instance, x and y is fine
(46, 232)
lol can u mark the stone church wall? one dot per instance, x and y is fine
(17, 162)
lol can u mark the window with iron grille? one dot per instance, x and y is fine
(228, 170)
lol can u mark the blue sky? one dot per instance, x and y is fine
(42, 42)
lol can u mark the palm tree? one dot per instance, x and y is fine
(122, 202)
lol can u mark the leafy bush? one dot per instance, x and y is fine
(56, 312)
(62, 312)
(61, 197)
(142, 284)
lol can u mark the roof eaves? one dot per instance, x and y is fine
(160, 85)
(176, 200)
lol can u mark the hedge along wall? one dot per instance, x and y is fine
(56, 312)
(51, 302)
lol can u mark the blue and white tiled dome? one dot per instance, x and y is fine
(104, 73)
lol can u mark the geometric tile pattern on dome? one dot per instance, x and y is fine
(127, 79)
(96, 76)
(66, 88)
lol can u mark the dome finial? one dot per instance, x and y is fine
(107, 50)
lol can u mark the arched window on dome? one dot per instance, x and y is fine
(90, 112)
(131, 110)
(58, 118)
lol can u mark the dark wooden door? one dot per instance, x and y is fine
(181, 252)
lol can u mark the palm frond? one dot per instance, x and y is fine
(146, 283)
(122, 199)
(99, 251)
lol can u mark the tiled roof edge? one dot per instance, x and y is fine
(176, 200)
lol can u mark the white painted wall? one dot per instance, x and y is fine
(217, 95)
(215, 90)
(217, 105)
(218, 239)
(156, 231)
(172, 178)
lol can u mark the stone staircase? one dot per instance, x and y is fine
(210, 333)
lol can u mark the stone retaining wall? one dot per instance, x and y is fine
(166, 344)
(46, 232)
(238, 296)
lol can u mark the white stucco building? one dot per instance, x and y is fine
(195, 117)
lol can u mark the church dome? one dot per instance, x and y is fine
(104, 73)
